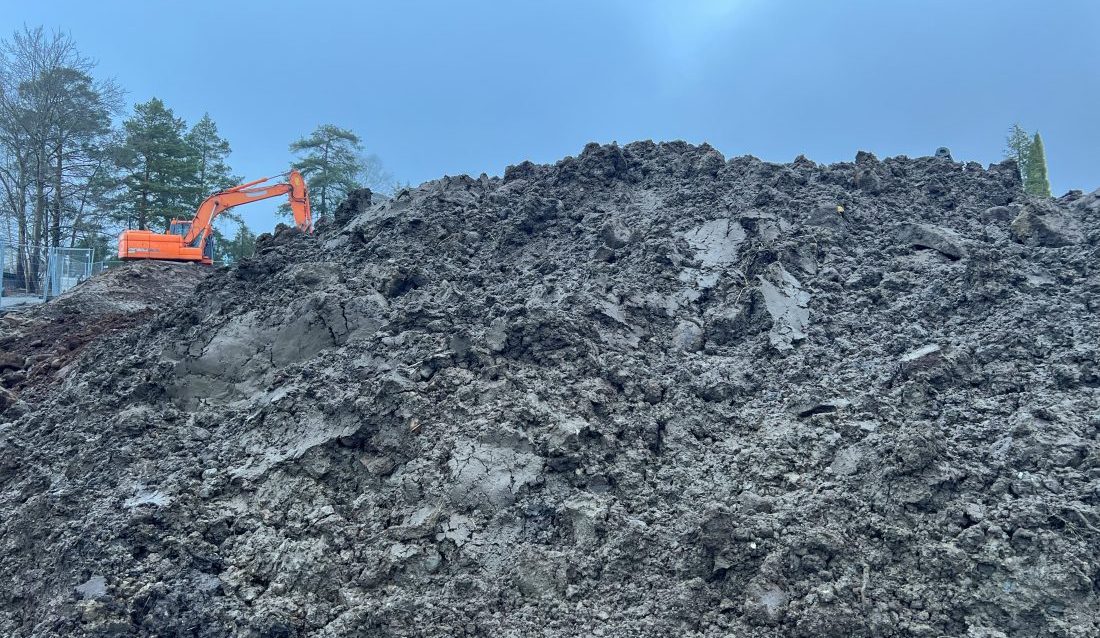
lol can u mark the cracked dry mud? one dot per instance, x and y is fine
(645, 391)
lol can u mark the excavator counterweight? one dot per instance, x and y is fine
(190, 240)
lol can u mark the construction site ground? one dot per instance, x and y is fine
(644, 391)
(38, 342)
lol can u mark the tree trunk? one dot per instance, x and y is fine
(203, 188)
(78, 216)
(324, 182)
(39, 228)
(55, 225)
(143, 203)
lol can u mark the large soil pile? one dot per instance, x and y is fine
(643, 392)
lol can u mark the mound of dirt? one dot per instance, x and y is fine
(38, 343)
(645, 391)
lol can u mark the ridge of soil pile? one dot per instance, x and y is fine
(644, 391)
(38, 343)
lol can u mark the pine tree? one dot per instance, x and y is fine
(210, 150)
(1017, 145)
(159, 168)
(332, 165)
(1036, 182)
(213, 175)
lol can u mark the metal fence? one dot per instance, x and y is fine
(66, 267)
(32, 274)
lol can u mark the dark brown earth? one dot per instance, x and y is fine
(38, 343)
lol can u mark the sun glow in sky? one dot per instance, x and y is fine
(682, 33)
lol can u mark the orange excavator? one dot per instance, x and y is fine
(190, 240)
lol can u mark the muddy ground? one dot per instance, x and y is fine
(645, 391)
(39, 344)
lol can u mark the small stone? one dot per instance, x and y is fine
(653, 392)
(765, 603)
(7, 398)
(421, 523)
(998, 214)
(584, 512)
(537, 576)
(10, 361)
(615, 235)
(922, 354)
(94, 587)
(497, 336)
(868, 180)
(828, 215)
(603, 253)
(378, 465)
(687, 336)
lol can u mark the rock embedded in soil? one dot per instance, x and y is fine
(642, 391)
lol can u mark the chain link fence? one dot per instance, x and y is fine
(33, 274)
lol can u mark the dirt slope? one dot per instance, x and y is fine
(642, 392)
(38, 343)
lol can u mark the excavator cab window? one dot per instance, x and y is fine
(179, 228)
(208, 248)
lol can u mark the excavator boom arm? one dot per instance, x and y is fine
(218, 203)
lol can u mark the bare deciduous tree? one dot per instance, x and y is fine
(54, 121)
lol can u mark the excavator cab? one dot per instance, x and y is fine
(179, 227)
(182, 227)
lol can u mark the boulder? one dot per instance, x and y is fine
(1049, 230)
(828, 215)
(947, 242)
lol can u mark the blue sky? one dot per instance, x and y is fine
(440, 87)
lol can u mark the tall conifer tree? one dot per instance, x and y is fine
(159, 167)
(1017, 145)
(1036, 182)
(331, 163)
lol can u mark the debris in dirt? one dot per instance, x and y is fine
(94, 587)
(806, 409)
(657, 393)
(787, 303)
